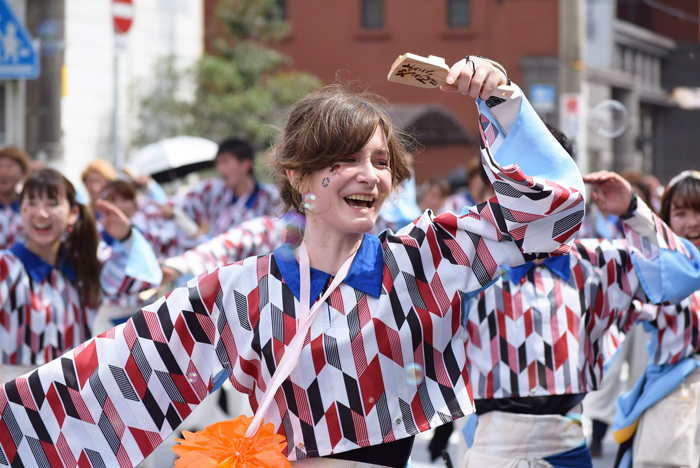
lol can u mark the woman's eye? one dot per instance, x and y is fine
(382, 163)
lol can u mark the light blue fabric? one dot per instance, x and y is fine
(157, 194)
(402, 209)
(656, 383)
(142, 263)
(671, 277)
(469, 429)
(531, 146)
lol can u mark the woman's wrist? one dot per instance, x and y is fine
(494, 63)
(128, 234)
(631, 208)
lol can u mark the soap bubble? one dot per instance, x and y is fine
(414, 373)
(571, 432)
(192, 376)
(609, 118)
(309, 202)
(294, 230)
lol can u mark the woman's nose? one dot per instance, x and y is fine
(367, 173)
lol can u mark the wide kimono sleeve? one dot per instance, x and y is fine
(537, 209)
(113, 399)
(128, 267)
(258, 236)
(613, 274)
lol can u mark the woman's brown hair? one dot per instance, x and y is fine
(682, 192)
(81, 243)
(329, 124)
(121, 188)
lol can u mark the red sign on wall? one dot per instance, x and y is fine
(123, 15)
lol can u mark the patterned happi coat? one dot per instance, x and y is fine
(43, 312)
(540, 329)
(11, 229)
(212, 202)
(384, 360)
(258, 236)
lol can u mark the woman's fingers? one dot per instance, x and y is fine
(455, 72)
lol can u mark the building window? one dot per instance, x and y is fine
(282, 5)
(372, 14)
(458, 13)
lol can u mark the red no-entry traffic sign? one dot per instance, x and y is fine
(123, 14)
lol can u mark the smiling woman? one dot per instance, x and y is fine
(51, 285)
(332, 370)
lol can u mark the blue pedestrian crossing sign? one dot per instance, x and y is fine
(18, 58)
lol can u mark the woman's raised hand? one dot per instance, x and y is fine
(115, 222)
(477, 78)
(612, 193)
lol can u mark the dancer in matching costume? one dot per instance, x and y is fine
(13, 168)
(535, 339)
(144, 273)
(657, 420)
(51, 285)
(112, 400)
(219, 204)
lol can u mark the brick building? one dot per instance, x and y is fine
(359, 40)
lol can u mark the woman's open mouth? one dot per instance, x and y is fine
(360, 201)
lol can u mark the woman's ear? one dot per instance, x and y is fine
(74, 215)
(294, 177)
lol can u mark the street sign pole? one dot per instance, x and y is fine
(122, 15)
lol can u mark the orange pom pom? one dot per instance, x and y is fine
(224, 445)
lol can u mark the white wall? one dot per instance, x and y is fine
(160, 28)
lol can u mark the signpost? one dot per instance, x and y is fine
(122, 16)
(18, 58)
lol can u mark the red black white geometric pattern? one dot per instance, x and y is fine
(545, 336)
(111, 400)
(11, 229)
(212, 202)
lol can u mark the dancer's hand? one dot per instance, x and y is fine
(115, 222)
(169, 274)
(612, 193)
(477, 78)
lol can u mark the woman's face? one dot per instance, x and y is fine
(95, 183)
(128, 207)
(348, 196)
(45, 220)
(685, 221)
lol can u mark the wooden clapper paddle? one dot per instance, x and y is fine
(430, 72)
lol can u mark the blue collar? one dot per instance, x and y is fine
(365, 272)
(37, 267)
(14, 205)
(561, 266)
(251, 199)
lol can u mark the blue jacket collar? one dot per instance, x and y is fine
(560, 266)
(37, 267)
(365, 272)
(14, 205)
(250, 202)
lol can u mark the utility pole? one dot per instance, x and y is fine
(573, 91)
